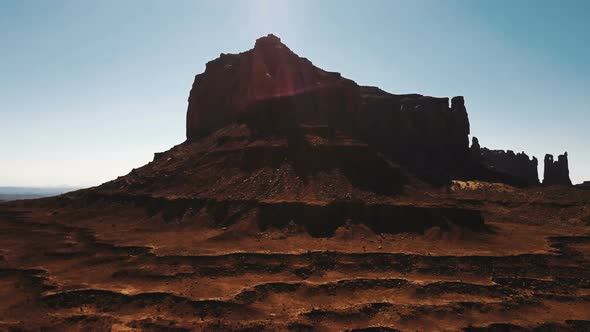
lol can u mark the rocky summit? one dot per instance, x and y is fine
(301, 201)
(269, 71)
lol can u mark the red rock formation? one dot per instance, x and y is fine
(275, 92)
(518, 167)
(475, 147)
(556, 172)
(268, 71)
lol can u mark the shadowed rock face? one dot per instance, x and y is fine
(275, 92)
(556, 171)
(518, 166)
(421, 132)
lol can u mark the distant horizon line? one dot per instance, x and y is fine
(43, 186)
(38, 190)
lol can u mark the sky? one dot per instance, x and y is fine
(91, 89)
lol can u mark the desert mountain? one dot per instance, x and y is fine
(301, 201)
(277, 93)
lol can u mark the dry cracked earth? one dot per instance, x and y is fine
(113, 267)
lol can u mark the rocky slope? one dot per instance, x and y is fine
(502, 259)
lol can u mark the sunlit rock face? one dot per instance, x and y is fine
(556, 171)
(274, 91)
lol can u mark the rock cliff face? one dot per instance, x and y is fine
(556, 171)
(425, 133)
(270, 71)
(276, 92)
(519, 166)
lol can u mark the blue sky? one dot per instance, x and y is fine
(90, 89)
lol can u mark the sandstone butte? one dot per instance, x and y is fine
(275, 91)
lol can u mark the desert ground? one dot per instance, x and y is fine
(131, 267)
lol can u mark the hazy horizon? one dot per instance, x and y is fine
(90, 90)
